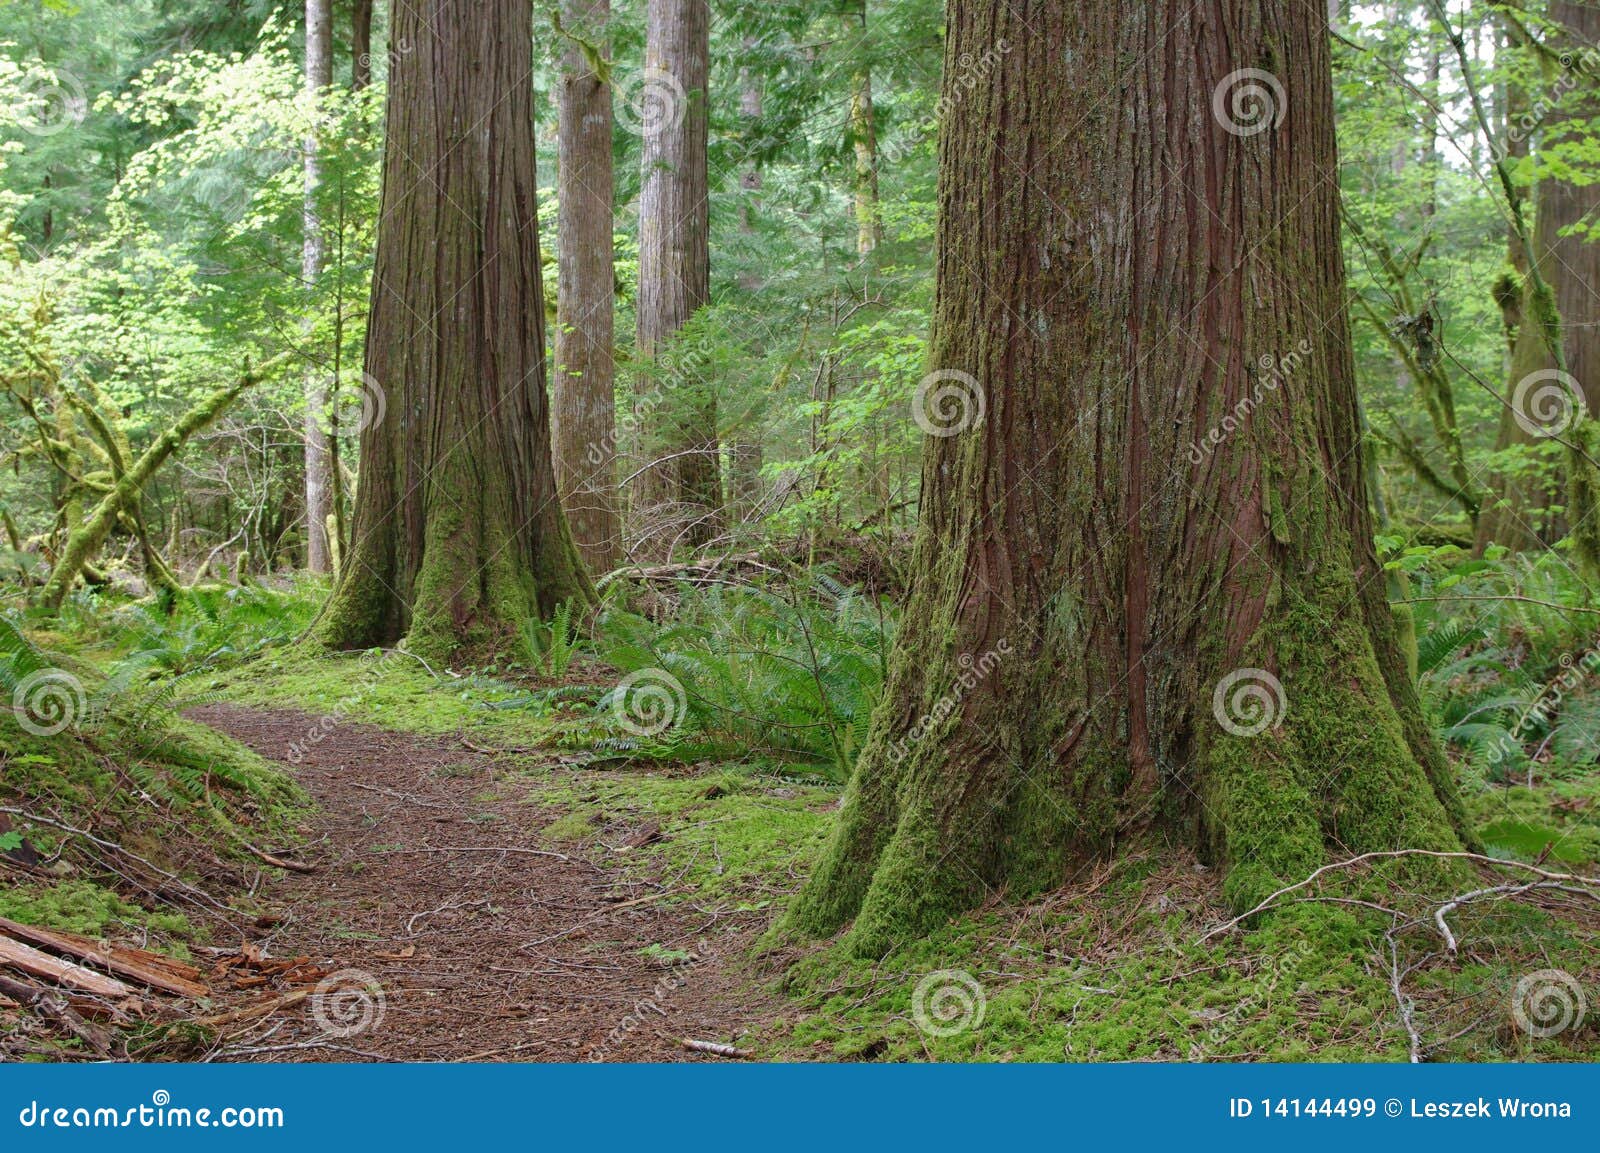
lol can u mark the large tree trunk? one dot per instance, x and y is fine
(1119, 620)
(1540, 402)
(584, 401)
(679, 496)
(458, 534)
(318, 75)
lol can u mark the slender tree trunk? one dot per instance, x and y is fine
(864, 134)
(584, 413)
(679, 496)
(319, 75)
(744, 452)
(458, 534)
(360, 44)
(1118, 620)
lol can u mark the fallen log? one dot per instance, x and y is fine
(54, 1007)
(147, 968)
(27, 959)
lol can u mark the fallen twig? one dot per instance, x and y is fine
(716, 1049)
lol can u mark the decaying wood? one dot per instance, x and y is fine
(27, 959)
(147, 968)
(54, 1007)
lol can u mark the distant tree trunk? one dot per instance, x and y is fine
(1519, 516)
(319, 75)
(458, 535)
(680, 496)
(584, 399)
(360, 44)
(1117, 620)
(864, 134)
(744, 452)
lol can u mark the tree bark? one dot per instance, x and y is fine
(360, 44)
(1101, 586)
(584, 415)
(318, 77)
(458, 534)
(1519, 515)
(679, 495)
(864, 135)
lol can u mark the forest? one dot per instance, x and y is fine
(799, 531)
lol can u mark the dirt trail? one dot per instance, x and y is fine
(488, 942)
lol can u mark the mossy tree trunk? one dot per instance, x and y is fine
(678, 497)
(1098, 580)
(458, 536)
(585, 405)
(1569, 269)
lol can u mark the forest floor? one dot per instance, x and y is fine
(484, 940)
(490, 879)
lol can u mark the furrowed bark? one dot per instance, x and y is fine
(1118, 275)
(584, 414)
(679, 496)
(458, 536)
